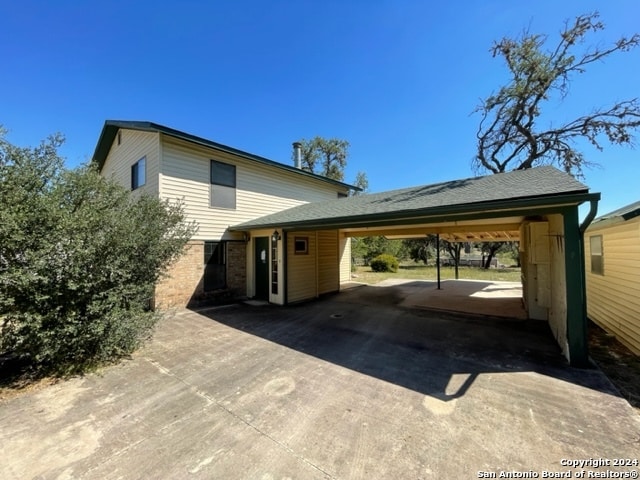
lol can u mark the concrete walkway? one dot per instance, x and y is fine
(352, 386)
(500, 299)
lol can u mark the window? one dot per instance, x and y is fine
(215, 272)
(223, 185)
(274, 267)
(138, 173)
(301, 245)
(597, 255)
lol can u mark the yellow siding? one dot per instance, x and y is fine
(301, 269)
(536, 274)
(133, 146)
(345, 259)
(557, 285)
(328, 263)
(613, 299)
(544, 285)
(260, 190)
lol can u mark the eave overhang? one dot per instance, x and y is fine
(530, 206)
(111, 127)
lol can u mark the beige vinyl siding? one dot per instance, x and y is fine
(613, 299)
(345, 259)
(133, 146)
(260, 190)
(301, 269)
(328, 262)
(557, 287)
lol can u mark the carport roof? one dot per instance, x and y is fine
(538, 186)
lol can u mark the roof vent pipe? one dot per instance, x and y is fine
(297, 154)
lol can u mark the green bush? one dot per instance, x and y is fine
(367, 248)
(384, 263)
(79, 258)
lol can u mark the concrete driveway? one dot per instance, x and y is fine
(351, 386)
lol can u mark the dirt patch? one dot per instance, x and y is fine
(617, 362)
(15, 388)
(16, 379)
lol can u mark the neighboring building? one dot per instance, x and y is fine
(274, 232)
(219, 187)
(612, 258)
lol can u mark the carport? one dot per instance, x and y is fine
(306, 249)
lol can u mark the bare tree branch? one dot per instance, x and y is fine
(508, 137)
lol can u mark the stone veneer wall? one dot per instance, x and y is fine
(184, 286)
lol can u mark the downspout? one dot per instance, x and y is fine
(593, 210)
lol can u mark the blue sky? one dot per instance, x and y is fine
(398, 79)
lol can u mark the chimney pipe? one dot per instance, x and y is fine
(297, 154)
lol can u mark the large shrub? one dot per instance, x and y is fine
(421, 249)
(79, 258)
(364, 249)
(384, 263)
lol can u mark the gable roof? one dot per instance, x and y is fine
(517, 189)
(620, 215)
(111, 127)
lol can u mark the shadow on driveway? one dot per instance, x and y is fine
(435, 353)
(350, 386)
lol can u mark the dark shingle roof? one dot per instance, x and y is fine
(111, 127)
(625, 213)
(534, 183)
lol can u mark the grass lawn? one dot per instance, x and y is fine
(428, 272)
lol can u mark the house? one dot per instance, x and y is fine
(612, 266)
(220, 187)
(276, 233)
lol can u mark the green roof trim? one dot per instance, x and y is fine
(519, 190)
(620, 215)
(111, 127)
(626, 213)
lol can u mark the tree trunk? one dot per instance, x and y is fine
(490, 250)
(454, 249)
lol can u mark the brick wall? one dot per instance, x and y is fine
(237, 268)
(184, 280)
(184, 285)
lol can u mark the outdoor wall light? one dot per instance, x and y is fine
(275, 236)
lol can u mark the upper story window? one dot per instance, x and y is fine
(223, 185)
(597, 254)
(139, 173)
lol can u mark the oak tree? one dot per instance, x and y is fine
(511, 135)
(328, 157)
